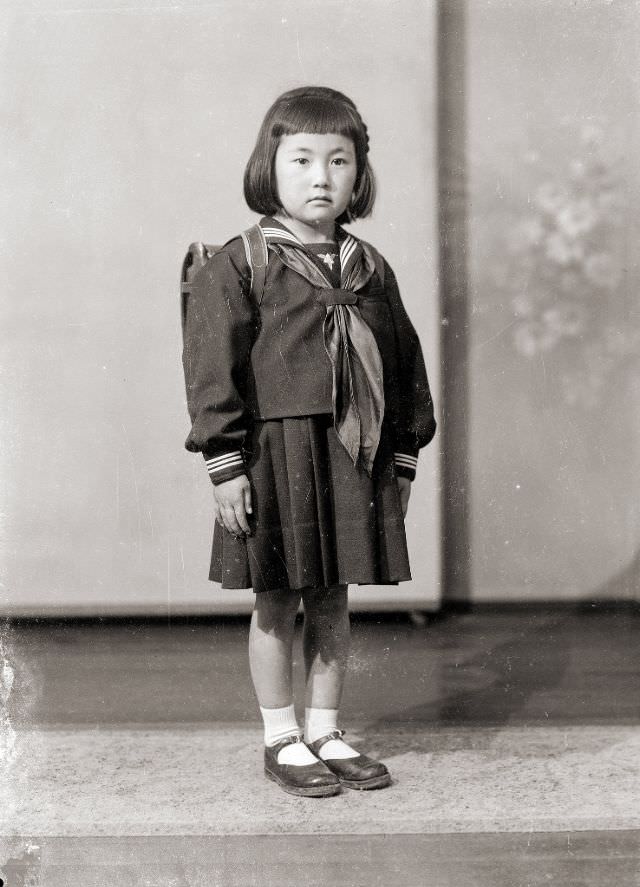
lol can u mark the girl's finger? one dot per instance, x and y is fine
(231, 521)
(241, 517)
(247, 500)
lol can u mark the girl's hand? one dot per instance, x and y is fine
(232, 503)
(404, 485)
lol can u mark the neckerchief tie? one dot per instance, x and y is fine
(357, 389)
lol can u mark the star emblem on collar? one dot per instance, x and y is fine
(328, 259)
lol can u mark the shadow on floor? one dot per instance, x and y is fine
(489, 667)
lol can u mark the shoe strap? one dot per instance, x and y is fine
(288, 740)
(317, 744)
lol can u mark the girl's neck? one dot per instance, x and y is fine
(308, 233)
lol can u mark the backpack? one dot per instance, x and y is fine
(198, 254)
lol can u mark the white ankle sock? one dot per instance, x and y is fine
(280, 723)
(320, 721)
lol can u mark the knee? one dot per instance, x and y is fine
(325, 604)
(275, 611)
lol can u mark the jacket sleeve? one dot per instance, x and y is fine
(415, 423)
(218, 336)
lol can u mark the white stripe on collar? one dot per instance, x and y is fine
(271, 233)
(347, 247)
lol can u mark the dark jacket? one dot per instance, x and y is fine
(244, 362)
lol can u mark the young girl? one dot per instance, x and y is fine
(310, 404)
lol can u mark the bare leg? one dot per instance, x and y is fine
(270, 643)
(325, 644)
(326, 639)
(270, 647)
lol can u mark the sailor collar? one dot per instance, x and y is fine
(350, 247)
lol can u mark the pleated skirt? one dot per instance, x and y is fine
(317, 519)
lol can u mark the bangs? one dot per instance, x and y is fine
(317, 115)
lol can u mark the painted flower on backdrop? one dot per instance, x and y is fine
(565, 271)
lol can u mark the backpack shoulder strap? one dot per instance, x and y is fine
(198, 254)
(255, 247)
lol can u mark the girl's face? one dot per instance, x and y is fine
(315, 177)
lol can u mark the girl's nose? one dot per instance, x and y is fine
(321, 176)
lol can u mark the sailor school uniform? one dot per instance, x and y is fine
(332, 344)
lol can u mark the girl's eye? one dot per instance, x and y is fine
(340, 161)
(301, 160)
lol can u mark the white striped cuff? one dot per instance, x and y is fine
(406, 461)
(228, 460)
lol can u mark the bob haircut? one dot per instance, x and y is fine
(312, 109)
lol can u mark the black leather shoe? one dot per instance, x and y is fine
(361, 772)
(308, 780)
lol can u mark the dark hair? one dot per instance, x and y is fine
(313, 109)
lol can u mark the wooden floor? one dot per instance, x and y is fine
(478, 677)
(601, 859)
